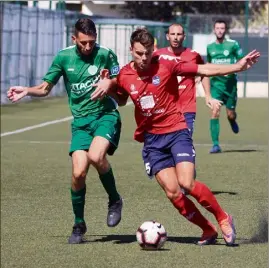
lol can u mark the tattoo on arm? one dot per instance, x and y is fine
(48, 88)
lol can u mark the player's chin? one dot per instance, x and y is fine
(143, 67)
(86, 53)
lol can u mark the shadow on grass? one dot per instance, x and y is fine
(241, 151)
(194, 240)
(118, 239)
(260, 235)
(153, 250)
(224, 192)
(127, 239)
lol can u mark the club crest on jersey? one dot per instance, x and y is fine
(115, 70)
(225, 52)
(240, 51)
(156, 80)
(92, 70)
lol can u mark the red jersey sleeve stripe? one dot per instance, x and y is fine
(185, 69)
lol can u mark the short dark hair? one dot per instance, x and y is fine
(175, 24)
(143, 36)
(85, 26)
(221, 21)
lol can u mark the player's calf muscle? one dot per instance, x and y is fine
(231, 114)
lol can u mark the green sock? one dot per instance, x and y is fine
(214, 130)
(78, 202)
(108, 182)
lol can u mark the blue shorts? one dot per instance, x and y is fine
(190, 119)
(162, 151)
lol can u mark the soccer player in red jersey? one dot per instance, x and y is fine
(168, 150)
(186, 84)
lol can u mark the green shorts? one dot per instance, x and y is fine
(106, 125)
(229, 98)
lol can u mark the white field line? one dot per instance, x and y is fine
(42, 125)
(36, 126)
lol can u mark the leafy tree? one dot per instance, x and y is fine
(168, 10)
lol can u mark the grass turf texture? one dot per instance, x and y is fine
(36, 212)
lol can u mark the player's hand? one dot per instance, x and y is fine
(213, 104)
(197, 79)
(102, 86)
(249, 60)
(16, 93)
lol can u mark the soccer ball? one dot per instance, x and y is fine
(151, 235)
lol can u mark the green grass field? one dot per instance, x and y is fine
(36, 212)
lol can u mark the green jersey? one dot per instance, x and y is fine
(80, 73)
(227, 52)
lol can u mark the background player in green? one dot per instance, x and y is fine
(223, 88)
(97, 124)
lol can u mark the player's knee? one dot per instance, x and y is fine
(172, 195)
(215, 114)
(79, 175)
(187, 185)
(231, 116)
(97, 159)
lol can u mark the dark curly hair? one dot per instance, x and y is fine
(85, 26)
(143, 36)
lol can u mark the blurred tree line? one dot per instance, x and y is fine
(169, 10)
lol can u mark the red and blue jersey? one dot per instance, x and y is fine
(155, 95)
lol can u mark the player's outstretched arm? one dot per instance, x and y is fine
(104, 86)
(107, 86)
(218, 69)
(16, 93)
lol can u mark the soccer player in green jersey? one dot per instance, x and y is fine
(223, 88)
(97, 124)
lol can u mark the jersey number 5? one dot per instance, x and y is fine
(148, 169)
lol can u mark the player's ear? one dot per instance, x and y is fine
(74, 39)
(167, 37)
(131, 49)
